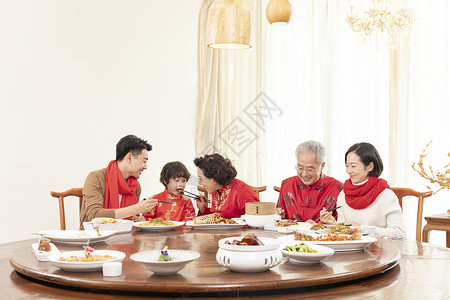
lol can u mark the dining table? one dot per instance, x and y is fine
(385, 269)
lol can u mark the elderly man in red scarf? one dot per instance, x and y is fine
(114, 192)
(302, 197)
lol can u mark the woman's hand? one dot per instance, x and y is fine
(327, 216)
(201, 203)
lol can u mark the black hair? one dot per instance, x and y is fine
(173, 170)
(367, 153)
(217, 167)
(133, 144)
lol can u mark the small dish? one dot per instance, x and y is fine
(180, 259)
(308, 258)
(43, 255)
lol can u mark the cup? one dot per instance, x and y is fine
(112, 269)
(369, 229)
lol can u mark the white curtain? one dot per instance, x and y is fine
(315, 79)
(333, 88)
(229, 87)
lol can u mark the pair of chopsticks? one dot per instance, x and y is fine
(334, 208)
(189, 194)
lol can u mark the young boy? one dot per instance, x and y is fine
(174, 176)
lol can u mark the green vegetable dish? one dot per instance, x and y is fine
(164, 256)
(300, 248)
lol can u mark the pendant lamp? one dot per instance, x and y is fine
(229, 24)
(278, 12)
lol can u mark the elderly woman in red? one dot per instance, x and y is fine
(229, 195)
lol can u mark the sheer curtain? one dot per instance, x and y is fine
(333, 88)
(229, 85)
(329, 90)
(315, 79)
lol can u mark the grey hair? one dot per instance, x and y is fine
(314, 147)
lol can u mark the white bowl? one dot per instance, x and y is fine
(120, 226)
(260, 220)
(180, 259)
(249, 259)
(367, 230)
(302, 257)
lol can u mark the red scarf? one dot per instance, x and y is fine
(115, 185)
(361, 196)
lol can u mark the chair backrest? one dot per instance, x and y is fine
(257, 189)
(276, 188)
(404, 192)
(78, 192)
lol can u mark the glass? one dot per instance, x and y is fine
(309, 170)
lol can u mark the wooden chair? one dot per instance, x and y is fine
(404, 192)
(78, 192)
(277, 189)
(258, 189)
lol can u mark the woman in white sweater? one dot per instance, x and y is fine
(367, 199)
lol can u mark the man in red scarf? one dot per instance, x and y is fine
(114, 192)
(302, 197)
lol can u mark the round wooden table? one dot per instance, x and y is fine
(205, 275)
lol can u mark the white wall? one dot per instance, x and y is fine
(76, 76)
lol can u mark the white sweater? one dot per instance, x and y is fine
(384, 213)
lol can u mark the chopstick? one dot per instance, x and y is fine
(190, 194)
(187, 193)
(334, 208)
(173, 203)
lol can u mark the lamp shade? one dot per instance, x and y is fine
(229, 24)
(278, 12)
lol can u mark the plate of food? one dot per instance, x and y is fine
(338, 242)
(300, 253)
(158, 225)
(77, 237)
(82, 261)
(215, 221)
(118, 225)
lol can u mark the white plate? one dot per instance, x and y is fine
(180, 259)
(339, 246)
(120, 226)
(269, 244)
(42, 255)
(76, 237)
(158, 228)
(302, 257)
(239, 221)
(84, 266)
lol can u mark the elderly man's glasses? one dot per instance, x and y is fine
(309, 170)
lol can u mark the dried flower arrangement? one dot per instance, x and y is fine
(440, 178)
